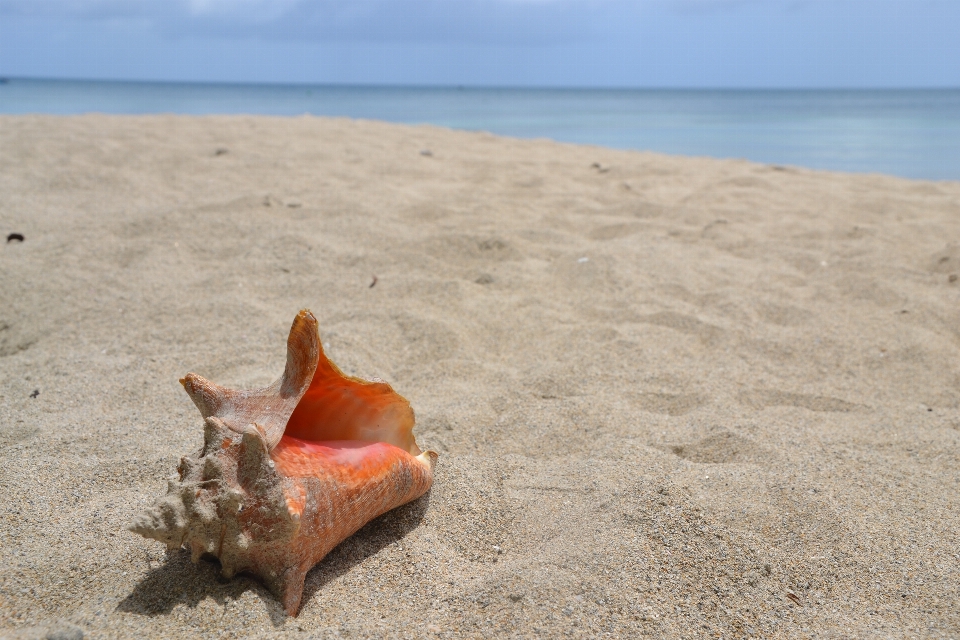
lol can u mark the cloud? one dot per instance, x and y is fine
(511, 22)
(458, 21)
(254, 10)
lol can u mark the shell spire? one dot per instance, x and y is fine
(289, 471)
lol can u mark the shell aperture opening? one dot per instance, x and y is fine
(338, 407)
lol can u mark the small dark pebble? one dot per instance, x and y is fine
(952, 277)
(35, 393)
(221, 151)
(426, 152)
(484, 279)
(372, 284)
(15, 236)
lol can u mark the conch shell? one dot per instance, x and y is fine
(289, 471)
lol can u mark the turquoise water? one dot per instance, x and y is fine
(911, 133)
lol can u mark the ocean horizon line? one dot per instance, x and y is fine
(479, 87)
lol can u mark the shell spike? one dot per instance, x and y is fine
(214, 433)
(166, 521)
(289, 589)
(270, 408)
(208, 397)
(254, 457)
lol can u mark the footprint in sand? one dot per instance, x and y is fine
(458, 249)
(669, 403)
(947, 261)
(614, 231)
(722, 447)
(762, 398)
(14, 339)
(708, 333)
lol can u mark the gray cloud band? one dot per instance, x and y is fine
(508, 22)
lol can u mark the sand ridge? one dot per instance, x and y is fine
(674, 397)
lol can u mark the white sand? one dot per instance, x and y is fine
(672, 396)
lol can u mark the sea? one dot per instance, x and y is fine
(911, 133)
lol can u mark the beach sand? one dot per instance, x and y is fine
(673, 397)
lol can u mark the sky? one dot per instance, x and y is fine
(548, 43)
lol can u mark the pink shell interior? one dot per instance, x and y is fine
(338, 407)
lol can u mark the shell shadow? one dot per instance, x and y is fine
(179, 581)
(369, 540)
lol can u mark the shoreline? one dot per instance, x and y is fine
(906, 132)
